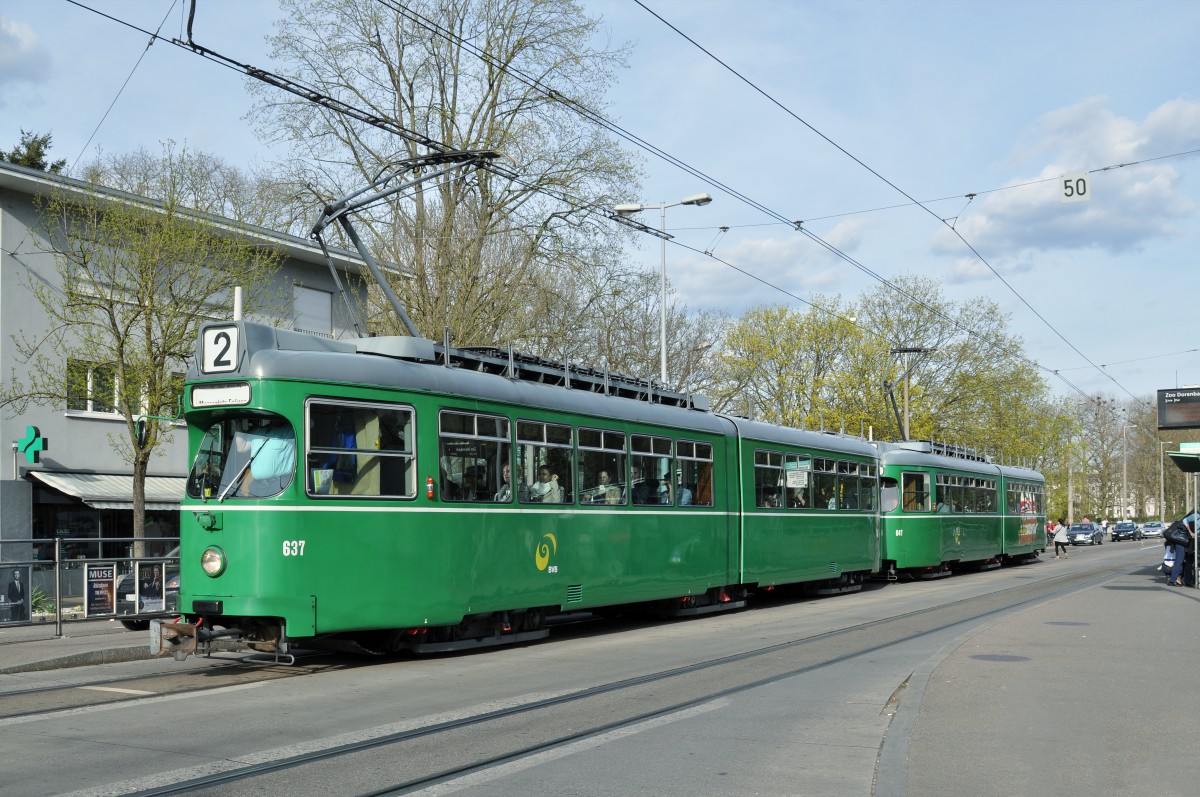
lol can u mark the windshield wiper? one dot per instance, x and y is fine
(240, 475)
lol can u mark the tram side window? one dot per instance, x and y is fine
(952, 494)
(472, 452)
(970, 495)
(868, 476)
(798, 478)
(363, 450)
(889, 494)
(958, 498)
(768, 478)
(916, 492)
(693, 473)
(544, 463)
(848, 482)
(988, 496)
(826, 483)
(1025, 499)
(602, 467)
(650, 467)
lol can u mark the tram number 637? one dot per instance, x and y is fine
(293, 547)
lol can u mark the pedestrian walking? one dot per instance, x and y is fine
(1060, 539)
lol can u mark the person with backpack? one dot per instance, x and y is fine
(1180, 536)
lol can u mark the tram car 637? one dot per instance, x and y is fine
(394, 493)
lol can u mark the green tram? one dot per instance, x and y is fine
(945, 507)
(394, 493)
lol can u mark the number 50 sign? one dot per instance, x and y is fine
(1075, 188)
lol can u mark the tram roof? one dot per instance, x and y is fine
(422, 365)
(935, 455)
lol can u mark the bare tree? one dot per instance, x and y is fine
(483, 255)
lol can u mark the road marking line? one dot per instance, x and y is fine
(117, 689)
(6, 722)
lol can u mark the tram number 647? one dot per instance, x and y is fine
(293, 547)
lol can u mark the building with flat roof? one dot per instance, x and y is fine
(80, 490)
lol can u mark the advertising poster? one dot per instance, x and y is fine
(150, 587)
(15, 598)
(101, 589)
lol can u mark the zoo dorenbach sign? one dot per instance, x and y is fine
(1179, 408)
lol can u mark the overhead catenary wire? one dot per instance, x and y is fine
(153, 37)
(439, 30)
(299, 89)
(895, 187)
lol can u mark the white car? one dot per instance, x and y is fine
(1153, 528)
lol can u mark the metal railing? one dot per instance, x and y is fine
(56, 581)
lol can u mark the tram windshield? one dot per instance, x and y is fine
(247, 457)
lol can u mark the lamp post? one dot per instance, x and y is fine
(1162, 495)
(907, 350)
(635, 207)
(1125, 470)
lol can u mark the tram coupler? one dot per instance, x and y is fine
(177, 639)
(183, 639)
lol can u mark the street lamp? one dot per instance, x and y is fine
(636, 207)
(1125, 470)
(1162, 495)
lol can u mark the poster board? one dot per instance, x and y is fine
(100, 589)
(15, 598)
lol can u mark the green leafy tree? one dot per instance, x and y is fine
(32, 153)
(971, 386)
(133, 282)
(781, 365)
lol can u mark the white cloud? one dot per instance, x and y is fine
(22, 55)
(1130, 205)
(791, 263)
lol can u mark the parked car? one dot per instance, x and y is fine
(146, 600)
(1085, 534)
(1126, 530)
(1153, 528)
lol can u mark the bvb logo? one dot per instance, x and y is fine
(546, 548)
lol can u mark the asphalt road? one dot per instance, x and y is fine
(1025, 680)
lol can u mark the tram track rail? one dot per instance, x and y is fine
(658, 697)
(22, 703)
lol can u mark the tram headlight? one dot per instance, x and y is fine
(212, 561)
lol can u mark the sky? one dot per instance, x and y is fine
(928, 138)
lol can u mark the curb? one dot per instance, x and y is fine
(109, 656)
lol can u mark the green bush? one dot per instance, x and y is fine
(40, 602)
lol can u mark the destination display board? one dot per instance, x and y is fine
(1179, 408)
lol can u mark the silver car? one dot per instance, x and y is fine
(1153, 528)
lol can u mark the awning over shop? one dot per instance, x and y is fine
(107, 491)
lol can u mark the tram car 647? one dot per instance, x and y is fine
(945, 507)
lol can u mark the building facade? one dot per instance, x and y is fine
(79, 490)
